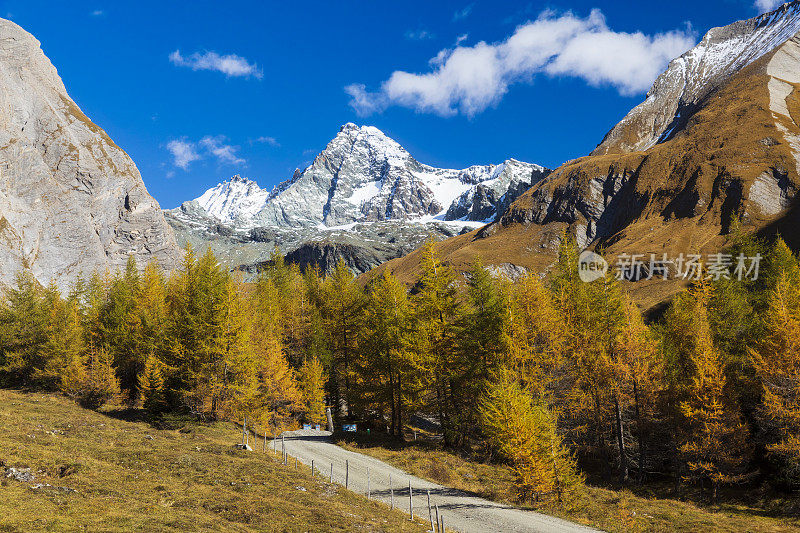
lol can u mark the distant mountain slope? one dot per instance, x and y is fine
(671, 176)
(364, 199)
(237, 198)
(71, 201)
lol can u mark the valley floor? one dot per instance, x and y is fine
(648, 508)
(114, 471)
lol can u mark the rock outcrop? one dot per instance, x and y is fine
(71, 201)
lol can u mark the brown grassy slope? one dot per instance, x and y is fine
(676, 197)
(651, 508)
(186, 478)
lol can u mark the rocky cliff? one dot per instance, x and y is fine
(71, 201)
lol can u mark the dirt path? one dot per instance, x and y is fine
(461, 511)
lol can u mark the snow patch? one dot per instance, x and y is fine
(366, 192)
(445, 186)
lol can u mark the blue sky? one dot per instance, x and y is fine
(198, 91)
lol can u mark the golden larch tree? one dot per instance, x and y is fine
(777, 363)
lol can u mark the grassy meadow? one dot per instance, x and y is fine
(114, 471)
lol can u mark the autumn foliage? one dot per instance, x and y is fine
(555, 376)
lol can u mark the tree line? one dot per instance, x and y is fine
(557, 377)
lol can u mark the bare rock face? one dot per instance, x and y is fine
(71, 201)
(326, 255)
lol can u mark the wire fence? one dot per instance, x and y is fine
(397, 494)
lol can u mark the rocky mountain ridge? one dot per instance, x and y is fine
(680, 90)
(365, 176)
(363, 199)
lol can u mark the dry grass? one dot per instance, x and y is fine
(649, 508)
(105, 473)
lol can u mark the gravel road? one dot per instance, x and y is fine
(461, 511)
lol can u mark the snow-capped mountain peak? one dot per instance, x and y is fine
(235, 198)
(363, 175)
(370, 142)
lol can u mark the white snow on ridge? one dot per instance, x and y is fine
(691, 77)
(391, 149)
(724, 51)
(446, 187)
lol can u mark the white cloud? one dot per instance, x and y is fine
(469, 79)
(97, 13)
(225, 153)
(183, 152)
(231, 65)
(264, 139)
(766, 5)
(365, 103)
(463, 13)
(418, 35)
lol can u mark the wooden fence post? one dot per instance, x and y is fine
(437, 519)
(391, 490)
(331, 472)
(346, 474)
(368, 483)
